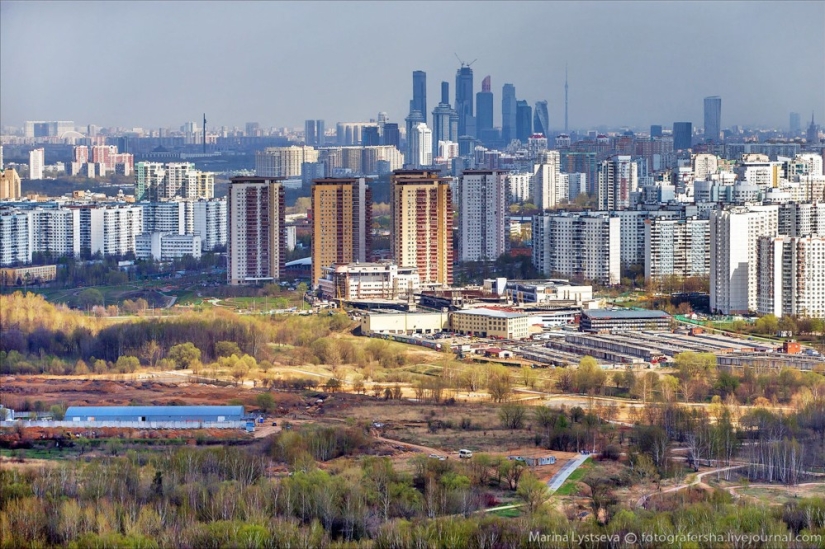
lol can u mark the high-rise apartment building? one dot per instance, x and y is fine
(482, 204)
(682, 136)
(421, 146)
(734, 234)
(655, 131)
(210, 222)
(445, 120)
(255, 237)
(39, 128)
(676, 247)
(112, 230)
(713, 119)
(464, 101)
(484, 108)
(9, 184)
(546, 181)
(704, 166)
(341, 223)
(618, 177)
(419, 100)
(802, 218)
(519, 187)
(508, 113)
(583, 246)
(149, 178)
(283, 162)
(422, 224)
(524, 121)
(541, 119)
(15, 234)
(791, 276)
(36, 163)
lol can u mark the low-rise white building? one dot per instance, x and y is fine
(496, 323)
(167, 246)
(404, 323)
(365, 281)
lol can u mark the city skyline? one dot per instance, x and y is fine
(378, 78)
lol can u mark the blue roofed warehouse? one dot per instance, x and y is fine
(215, 414)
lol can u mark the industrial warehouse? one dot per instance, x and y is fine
(151, 417)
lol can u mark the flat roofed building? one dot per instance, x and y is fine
(155, 413)
(496, 323)
(404, 323)
(382, 280)
(27, 275)
(605, 320)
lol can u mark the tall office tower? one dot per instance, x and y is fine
(546, 179)
(796, 124)
(419, 100)
(733, 256)
(713, 118)
(341, 223)
(704, 166)
(421, 146)
(422, 224)
(655, 131)
(482, 204)
(209, 223)
(112, 230)
(391, 135)
(679, 247)
(310, 136)
(682, 135)
(283, 162)
(813, 132)
(584, 246)
(36, 163)
(413, 120)
(541, 119)
(508, 113)
(445, 120)
(618, 177)
(524, 121)
(149, 178)
(791, 276)
(464, 101)
(255, 237)
(370, 136)
(9, 184)
(484, 107)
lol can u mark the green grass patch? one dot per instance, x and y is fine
(569, 487)
(507, 513)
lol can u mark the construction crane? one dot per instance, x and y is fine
(463, 64)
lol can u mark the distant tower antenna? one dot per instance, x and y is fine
(565, 99)
(204, 133)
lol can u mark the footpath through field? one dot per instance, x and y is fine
(567, 470)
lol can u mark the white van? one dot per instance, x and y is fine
(465, 454)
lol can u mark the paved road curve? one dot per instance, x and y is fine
(559, 478)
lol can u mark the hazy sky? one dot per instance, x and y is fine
(153, 64)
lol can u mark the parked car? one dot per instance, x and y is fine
(465, 454)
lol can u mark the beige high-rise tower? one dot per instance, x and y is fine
(9, 184)
(255, 237)
(341, 223)
(422, 224)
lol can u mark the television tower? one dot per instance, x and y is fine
(565, 99)
(204, 133)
